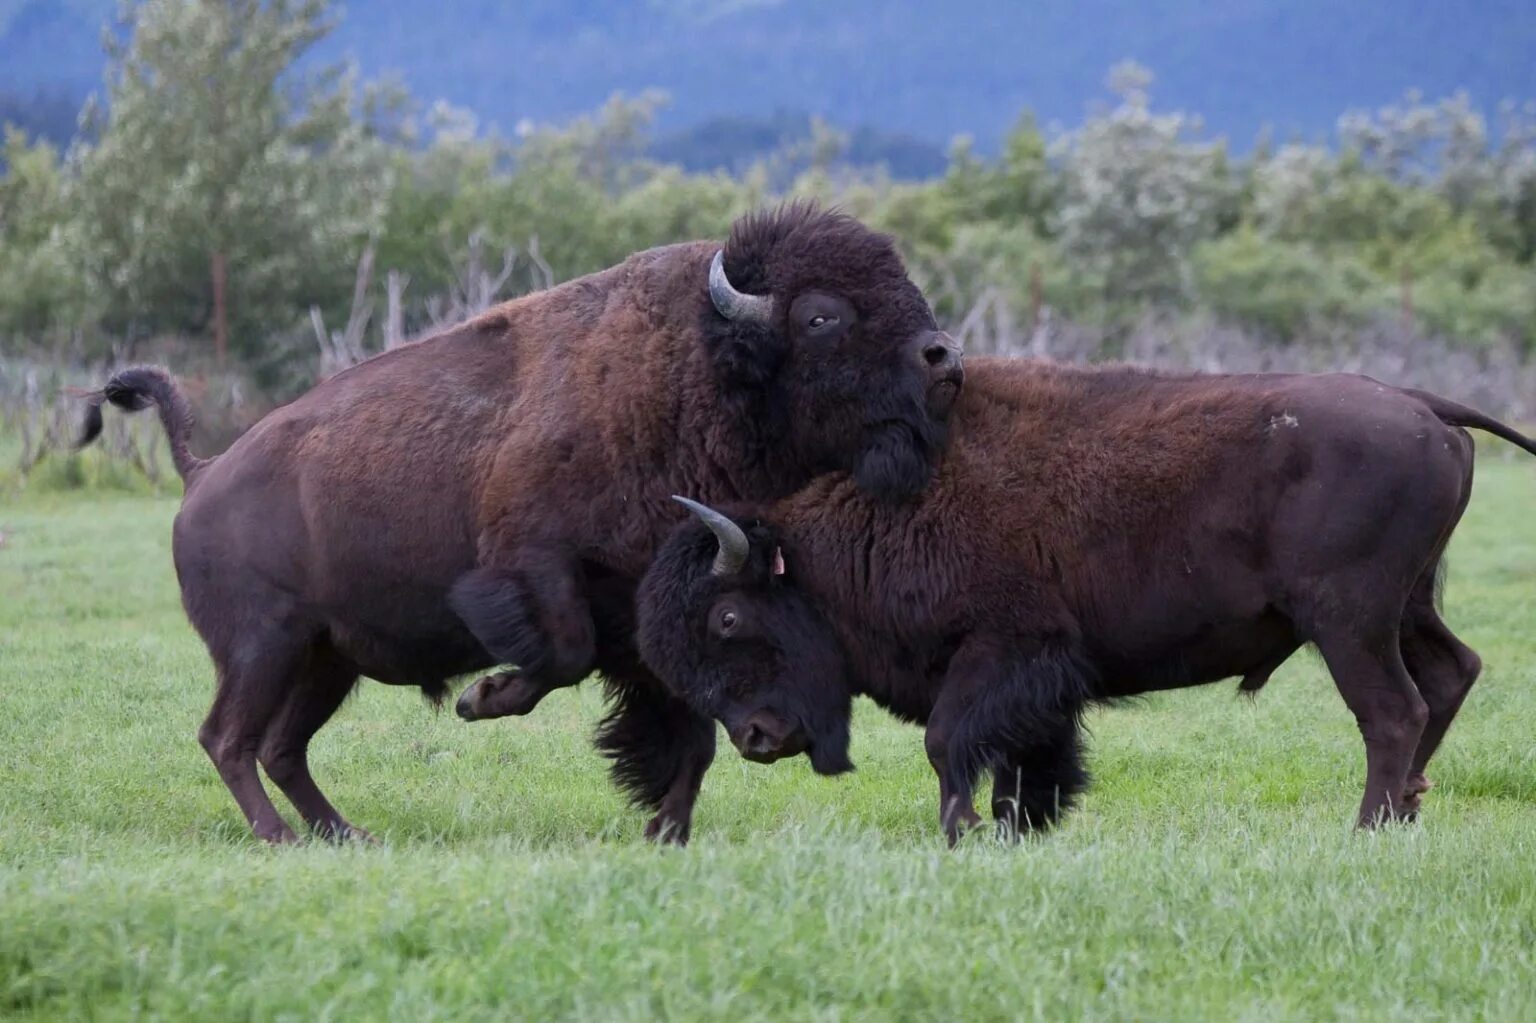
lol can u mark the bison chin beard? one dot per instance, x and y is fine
(897, 463)
(830, 758)
(828, 748)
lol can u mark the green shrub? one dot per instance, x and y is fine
(1282, 287)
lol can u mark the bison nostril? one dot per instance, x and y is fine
(754, 739)
(936, 355)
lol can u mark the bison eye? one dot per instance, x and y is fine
(727, 621)
(820, 321)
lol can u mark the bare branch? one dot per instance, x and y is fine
(537, 259)
(394, 316)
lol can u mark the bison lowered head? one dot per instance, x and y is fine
(830, 351)
(721, 626)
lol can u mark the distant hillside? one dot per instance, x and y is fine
(912, 68)
(734, 143)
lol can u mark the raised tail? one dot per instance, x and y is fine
(1453, 414)
(138, 388)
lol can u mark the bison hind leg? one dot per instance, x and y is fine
(1444, 670)
(314, 695)
(1368, 669)
(256, 676)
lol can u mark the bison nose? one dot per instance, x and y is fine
(761, 738)
(756, 742)
(944, 364)
(936, 355)
(940, 353)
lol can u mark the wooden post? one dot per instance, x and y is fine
(219, 270)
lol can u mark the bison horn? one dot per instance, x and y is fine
(732, 554)
(732, 304)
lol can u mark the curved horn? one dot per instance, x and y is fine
(732, 554)
(732, 304)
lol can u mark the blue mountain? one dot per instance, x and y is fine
(914, 71)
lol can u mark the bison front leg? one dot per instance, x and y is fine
(660, 750)
(950, 749)
(1014, 709)
(957, 800)
(504, 694)
(534, 615)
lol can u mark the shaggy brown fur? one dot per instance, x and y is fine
(456, 503)
(1093, 534)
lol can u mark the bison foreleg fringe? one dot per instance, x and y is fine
(651, 739)
(1029, 713)
(1033, 788)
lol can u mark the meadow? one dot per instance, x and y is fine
(1212, 872)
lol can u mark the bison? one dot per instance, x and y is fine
(1092, 534)
(457, 503)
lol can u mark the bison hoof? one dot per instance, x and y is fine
(353, 833)
(502, 695)
(665, 830)
(1413, 794)
(278, 834)
(958, 821)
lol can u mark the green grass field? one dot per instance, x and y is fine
(1211, 874)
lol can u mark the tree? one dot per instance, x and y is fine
(225, 190)
(38, 287)
(1283, 288)
(1445, 147)
(1017, 187)
(1137, 195)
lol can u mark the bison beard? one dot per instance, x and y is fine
(896, 463)
(492, 494)
(1092, 535)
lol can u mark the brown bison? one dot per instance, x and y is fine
(457, 503)
(1091, 534)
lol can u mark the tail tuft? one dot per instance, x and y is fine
(136, 389)
(91, 428)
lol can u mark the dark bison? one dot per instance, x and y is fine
(456, 503)
(1091, 534)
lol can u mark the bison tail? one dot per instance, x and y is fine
(138, 388)
(1454, 414)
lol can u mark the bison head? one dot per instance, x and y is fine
(829, 352)
(721, 626)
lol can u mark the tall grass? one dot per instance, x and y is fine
(1211, 873)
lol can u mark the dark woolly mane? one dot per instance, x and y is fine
(798, 244)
